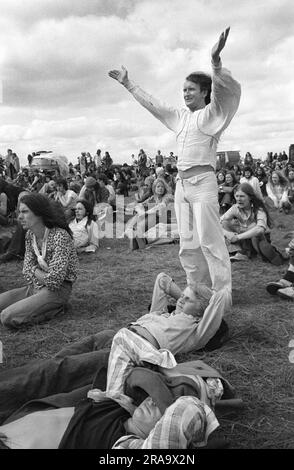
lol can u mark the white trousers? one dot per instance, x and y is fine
(203, 253)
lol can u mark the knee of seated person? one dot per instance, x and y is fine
(162, 279)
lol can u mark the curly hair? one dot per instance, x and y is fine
(164, 183)
(282, 179)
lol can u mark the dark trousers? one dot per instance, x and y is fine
(76, 366)
(17, 242)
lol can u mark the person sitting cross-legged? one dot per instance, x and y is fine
(246, 227)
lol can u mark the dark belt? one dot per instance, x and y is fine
(149, 337)
(195, 171)
(68, 282)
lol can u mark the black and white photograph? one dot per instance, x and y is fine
(147, 228)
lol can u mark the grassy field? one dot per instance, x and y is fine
(115, 286)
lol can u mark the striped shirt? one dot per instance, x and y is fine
(187, 422)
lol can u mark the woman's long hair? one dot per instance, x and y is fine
(164, 183)
(282, 179)
(233, 175)
(221, 172)
(256, 202)
(89, 210)
(50, 212)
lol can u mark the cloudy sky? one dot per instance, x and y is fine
(55, 56)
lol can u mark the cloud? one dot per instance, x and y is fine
(56, 55)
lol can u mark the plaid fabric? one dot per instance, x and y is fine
(186, 423)
(127, 351)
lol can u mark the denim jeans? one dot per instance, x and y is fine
(203, 253)
(27, 305)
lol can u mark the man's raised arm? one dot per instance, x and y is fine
(225, 94)
(167, 115)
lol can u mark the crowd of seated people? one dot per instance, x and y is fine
(149, 213)
(59, 222)
(99, 182)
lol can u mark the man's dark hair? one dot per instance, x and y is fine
(102, 177)
(204, 81)
(62, 182)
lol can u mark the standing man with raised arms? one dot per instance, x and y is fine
(211, 104)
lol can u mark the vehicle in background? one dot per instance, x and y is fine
(227, 159)
(51, 163)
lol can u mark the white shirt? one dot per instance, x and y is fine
(254, 182)
(85, 235)
(197, 132)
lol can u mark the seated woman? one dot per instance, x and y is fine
(66, 198)
(246, 227)
(120, 183)
(238, 172)
(50, 265)
(248, 177)
(84, 228)
(277, 191)
(226, 192)
(149, 213)
(262, 178)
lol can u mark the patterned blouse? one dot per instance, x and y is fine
(61, 257)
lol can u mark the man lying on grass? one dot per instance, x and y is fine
(196, 321)
(149, 402)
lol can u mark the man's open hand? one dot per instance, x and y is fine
(120, 75)
(218, 47)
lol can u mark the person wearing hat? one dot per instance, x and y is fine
(212, 102)
(148, 403)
